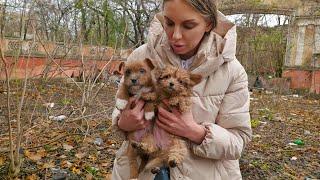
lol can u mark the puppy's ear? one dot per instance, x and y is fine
(195, 78)
(157, 73)
(149, 63)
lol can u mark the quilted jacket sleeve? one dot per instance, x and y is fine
(228, 136)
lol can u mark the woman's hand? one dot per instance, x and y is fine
(181, 125)
(132, 117)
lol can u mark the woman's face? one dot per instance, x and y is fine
(184, 27)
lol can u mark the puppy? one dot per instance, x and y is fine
(175, 85)
(137, 83)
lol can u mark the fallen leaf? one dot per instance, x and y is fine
(67, 147)
(105, 164)
(35, 156)
(75, 170)
(92, 158)
(2, 160)
(62, 156)
(80, 155)
(108, 177)
(48, 165)
(32, 177)
(66, 164)
(89, 177)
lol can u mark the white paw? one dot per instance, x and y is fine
(115, 114)
(149, 115)
(121, 103)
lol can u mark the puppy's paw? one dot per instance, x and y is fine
(172, 163)
(121, 103)
(155, 170)
(115, 114)
(149, 115)
(175, 160)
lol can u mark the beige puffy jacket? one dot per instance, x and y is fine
(220, 103)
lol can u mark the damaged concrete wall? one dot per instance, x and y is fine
(302, 61)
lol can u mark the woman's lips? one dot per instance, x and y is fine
(177, 47)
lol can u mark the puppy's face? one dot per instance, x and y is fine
(137, 74)
(175, 80)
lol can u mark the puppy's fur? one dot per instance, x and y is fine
(175, 85)
(137, 83)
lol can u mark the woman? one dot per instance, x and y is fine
(193, 35)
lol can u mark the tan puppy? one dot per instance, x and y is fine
(137, 83)
(175, 85)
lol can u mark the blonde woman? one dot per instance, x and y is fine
(193, 35)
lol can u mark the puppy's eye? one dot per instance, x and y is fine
(128, 72)
(142, 71)
(181, 82)
(166, 77)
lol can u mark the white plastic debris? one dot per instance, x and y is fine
(269, 92)
(292, 144)
(48, 105)
(295, 95)
(294, 158)
(306, 132)
(98, 142)
(58, 118)
(263, 123)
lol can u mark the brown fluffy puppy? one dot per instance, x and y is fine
(137, 83)
(175, 85)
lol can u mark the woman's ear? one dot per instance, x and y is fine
(209, 26)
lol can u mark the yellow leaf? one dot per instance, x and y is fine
(32, 177)
(2, 160)
(75, 170)
(66, 164)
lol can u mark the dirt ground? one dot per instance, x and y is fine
(81, 147)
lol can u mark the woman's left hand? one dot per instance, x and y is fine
(181, 124)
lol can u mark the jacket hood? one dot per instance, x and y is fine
(217, 47)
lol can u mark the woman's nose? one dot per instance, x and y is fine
(177, 34)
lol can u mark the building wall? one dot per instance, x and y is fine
(35, 67)
(302, 61)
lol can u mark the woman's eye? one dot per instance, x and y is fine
(170, 24)
(189, 26)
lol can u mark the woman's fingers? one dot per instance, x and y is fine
(139, 105)
(164, 126)
(166, 114)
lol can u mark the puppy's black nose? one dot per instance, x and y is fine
(133, 81)
(171, 84)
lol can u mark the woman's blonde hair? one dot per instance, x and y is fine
(207, 8)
